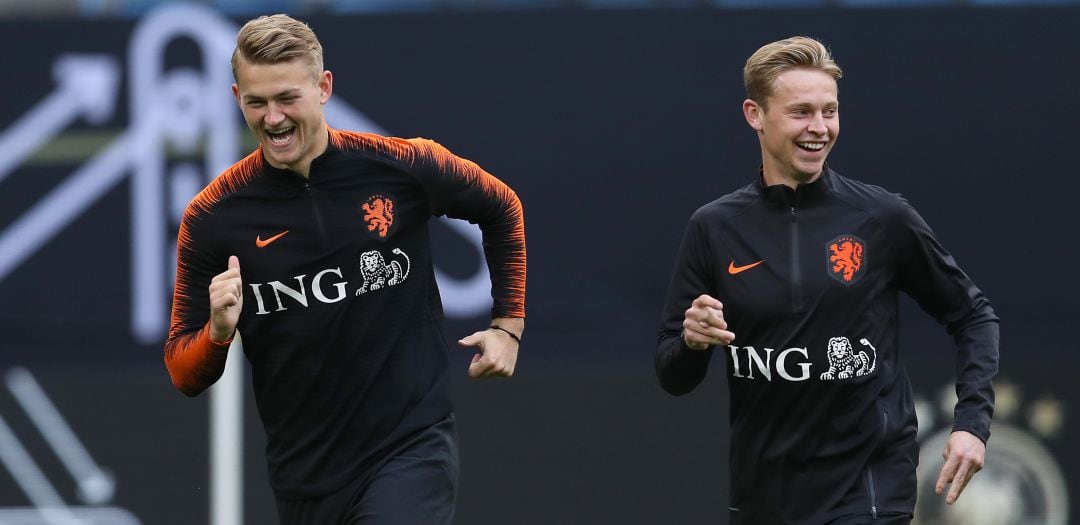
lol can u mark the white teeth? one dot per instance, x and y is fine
(280, 137)
(812, 145)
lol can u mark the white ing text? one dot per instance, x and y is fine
(753, 360)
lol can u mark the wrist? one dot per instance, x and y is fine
(219, 337)
(697, 347)
(514, 336)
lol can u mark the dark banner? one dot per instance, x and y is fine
(613, 127)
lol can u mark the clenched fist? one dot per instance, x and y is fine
(226, 301)
(704, 324)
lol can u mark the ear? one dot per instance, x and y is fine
(326, 86)
(754, 114)
(236, 93)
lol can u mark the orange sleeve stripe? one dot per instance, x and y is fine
(194, 362)
(514, 262)
(506, 237)
(227, 182)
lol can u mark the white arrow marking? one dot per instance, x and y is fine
(62, 205)
(31, 480)
(95, 485)
(87, 86)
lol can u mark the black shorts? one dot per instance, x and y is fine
(415, 486)
(881, 519)
(867, 519)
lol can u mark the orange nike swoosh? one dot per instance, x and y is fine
(263, 244)
(732, 269)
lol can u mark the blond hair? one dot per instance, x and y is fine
(771, 60)
(277, 38)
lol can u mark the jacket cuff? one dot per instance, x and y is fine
(980, 431)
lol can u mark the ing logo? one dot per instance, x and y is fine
(379, 214)
(379, 274)
(846, 258)
(845, 363)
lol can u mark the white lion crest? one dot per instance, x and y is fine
(378, 274)
(845, 363)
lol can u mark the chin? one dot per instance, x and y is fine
(278, 156)
(807, 171)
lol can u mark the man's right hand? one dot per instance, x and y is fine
(226, 301)
(704, 324)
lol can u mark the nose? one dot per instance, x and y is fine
(274, 116)
(817, 124)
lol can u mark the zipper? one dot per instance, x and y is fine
(870, 485)
(870, 468)
(315, 210)
(796, 279)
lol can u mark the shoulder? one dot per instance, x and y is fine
(885, 206)
(421, 158)
(369, 142)
(226, 184)
(388, 149)
(727, 207)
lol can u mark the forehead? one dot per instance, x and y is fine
(797, 86)
(268, 79)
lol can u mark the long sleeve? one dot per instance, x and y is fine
(930, 275)
(193, 359)
(679, 368)
(460, 189)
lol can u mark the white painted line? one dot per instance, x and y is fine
(340, 115)
(87, 515)
(62, 205)
(96, 486)
(32, 481)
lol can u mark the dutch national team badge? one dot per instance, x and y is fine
(845, 258)
(379, 215)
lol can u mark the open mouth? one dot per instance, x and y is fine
(811, 146)
(282, 137)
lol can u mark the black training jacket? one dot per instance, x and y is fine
(342, 321)
(822, 419)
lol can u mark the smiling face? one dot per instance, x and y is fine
(797, 126)
(282, 103)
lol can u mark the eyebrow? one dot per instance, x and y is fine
(287, 92)
(808, 105)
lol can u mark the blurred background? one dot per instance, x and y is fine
(614, 120)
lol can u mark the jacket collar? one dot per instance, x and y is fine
(290, 177)
(803, 195)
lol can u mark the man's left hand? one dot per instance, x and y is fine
(498, 351)
(963, 455)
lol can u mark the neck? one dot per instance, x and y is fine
(774, 176)
(303, 167)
